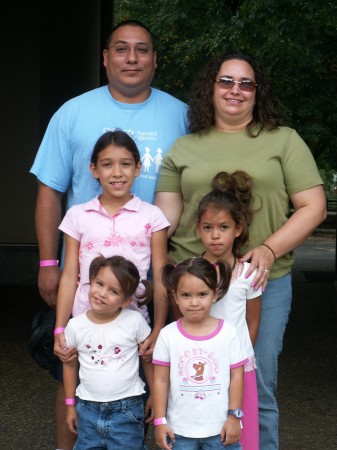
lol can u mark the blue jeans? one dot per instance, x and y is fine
(116, 425)
(276, 306)
(209, 443)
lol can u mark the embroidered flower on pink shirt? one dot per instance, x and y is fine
(116, 240)
(107, 243)
(89, 245)
(148, 230)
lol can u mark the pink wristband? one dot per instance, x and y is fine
(70, 401)
(160, 421)
(48, 262)
(58, 330)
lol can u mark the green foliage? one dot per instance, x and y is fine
(185, 33)
(295, 41)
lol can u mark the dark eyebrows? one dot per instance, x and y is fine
(120, 41)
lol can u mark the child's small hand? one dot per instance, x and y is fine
(148, 412)
(71, 419)
(161, 433)
(146, 348)
(231, 431)
(61, 350)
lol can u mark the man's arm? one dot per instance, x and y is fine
(48, 216)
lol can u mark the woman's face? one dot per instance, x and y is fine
(233, 107)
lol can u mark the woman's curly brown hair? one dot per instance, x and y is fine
(201, 105)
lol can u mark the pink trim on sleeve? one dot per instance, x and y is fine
(160, 363)
(241, 363)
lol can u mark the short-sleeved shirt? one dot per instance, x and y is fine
(279, 162)
(233, 305)
(199, 376)
(108, 355)
(63, 159)
(127, 233)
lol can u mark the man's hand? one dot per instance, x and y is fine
(48, 282)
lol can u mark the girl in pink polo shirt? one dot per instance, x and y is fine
(114, 223)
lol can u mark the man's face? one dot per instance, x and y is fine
(130, 63)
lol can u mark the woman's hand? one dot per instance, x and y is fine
(261, 258)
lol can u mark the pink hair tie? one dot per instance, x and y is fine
(58, 330)
(49, 262)
(70, 401)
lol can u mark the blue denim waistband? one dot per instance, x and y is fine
(116, 405)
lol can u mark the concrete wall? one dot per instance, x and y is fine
(50, 53)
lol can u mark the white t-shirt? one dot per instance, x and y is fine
(233, 305)
(108, 355)
(199, 376)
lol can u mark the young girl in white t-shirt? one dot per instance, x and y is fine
(223, 218)
(198, 373)
(109, 411)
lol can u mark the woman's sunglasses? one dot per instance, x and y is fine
(244, 85)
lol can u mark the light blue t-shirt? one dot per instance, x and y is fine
(63, 159)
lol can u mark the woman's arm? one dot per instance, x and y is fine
(310, 211)
(171, 203)
(66, 294)
(253, 315)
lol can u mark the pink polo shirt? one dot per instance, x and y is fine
(127, 233)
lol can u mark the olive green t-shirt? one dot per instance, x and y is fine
(279, 162)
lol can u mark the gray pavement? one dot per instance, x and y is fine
(307, 392)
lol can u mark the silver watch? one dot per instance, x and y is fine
(238, 413)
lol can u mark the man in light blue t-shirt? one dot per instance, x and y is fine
(154, 119)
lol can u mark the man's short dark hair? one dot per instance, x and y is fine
(133, 23)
